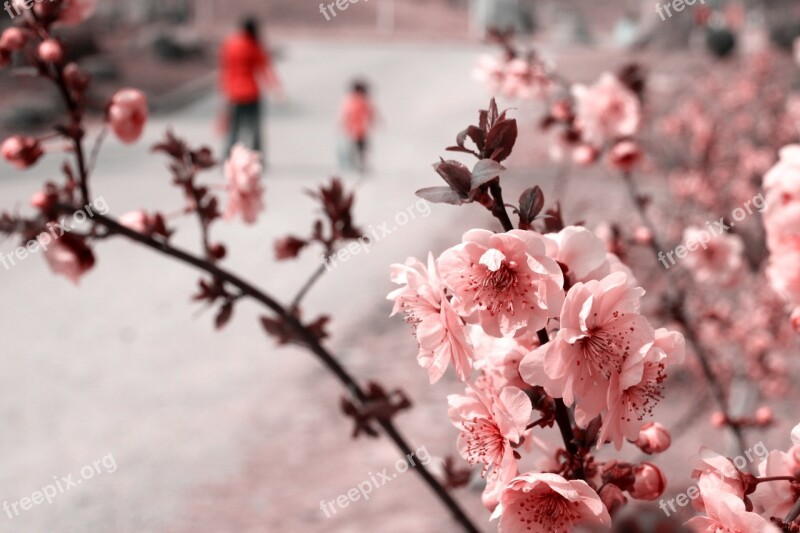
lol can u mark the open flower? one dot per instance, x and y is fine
(776, 497)
(242, 175)
(726, 511)
(581, 251)
(127, 114)
(490, 423)
(440, 332)
(628, 407)
(505, 279)
(548, 502)
(711, 464)
(606, 110)
(601, 334)
(718, 260)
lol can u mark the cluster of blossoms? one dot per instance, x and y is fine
(538, 321)
(584, 121)
(731, 499)
(781, 217)
(711, 171)
(126, 116)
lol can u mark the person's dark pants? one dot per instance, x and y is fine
(244, 125)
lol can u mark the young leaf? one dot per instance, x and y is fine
(485, 170)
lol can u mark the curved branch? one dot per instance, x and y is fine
(303, 334)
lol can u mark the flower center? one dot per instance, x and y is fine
(484, 443)
(547, 511)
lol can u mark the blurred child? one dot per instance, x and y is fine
(357, 118)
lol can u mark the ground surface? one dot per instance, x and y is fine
(223, 432)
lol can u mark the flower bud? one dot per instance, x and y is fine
(137, 221)
(127, 114)
(13, 39)
(561, 111)
(50, 51)
(584, 155)
(653, 438)
(624, 155)
(217, 251)
(76, 79)
(22, 152)
(643, 236)
(718, 419)
(650, 482)
(795, 319)
(613, 498)
(44, 201)
(763, 416)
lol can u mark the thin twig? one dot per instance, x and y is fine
(674, 304)
(318, 273)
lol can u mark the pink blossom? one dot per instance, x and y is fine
(581, 251)
(50, 51)
(726, 512)
(776, 497)
(548, 502)
(242, 174)
(67, 255)
(763, 415)
(624, 155)
(127, 114)
(440, 332)
(784, 276)
(796, 435)
(490, 424)
(13, 39)
(782, 181)
(495, 483)
(506, 280)
(524, 80)
(21, 152)
(653, 438)
(585, 154)
(716, 260)
(628, 406)
(601, 334)
(607, 110)
(711, 464)
(490, 71)
(135, 220)
(498, 358)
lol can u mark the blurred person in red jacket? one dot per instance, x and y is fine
(244, 62)
(357, 118)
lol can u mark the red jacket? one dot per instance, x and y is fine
(357, 115)
(241, 62)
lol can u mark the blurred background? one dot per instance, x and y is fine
(225, 432)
